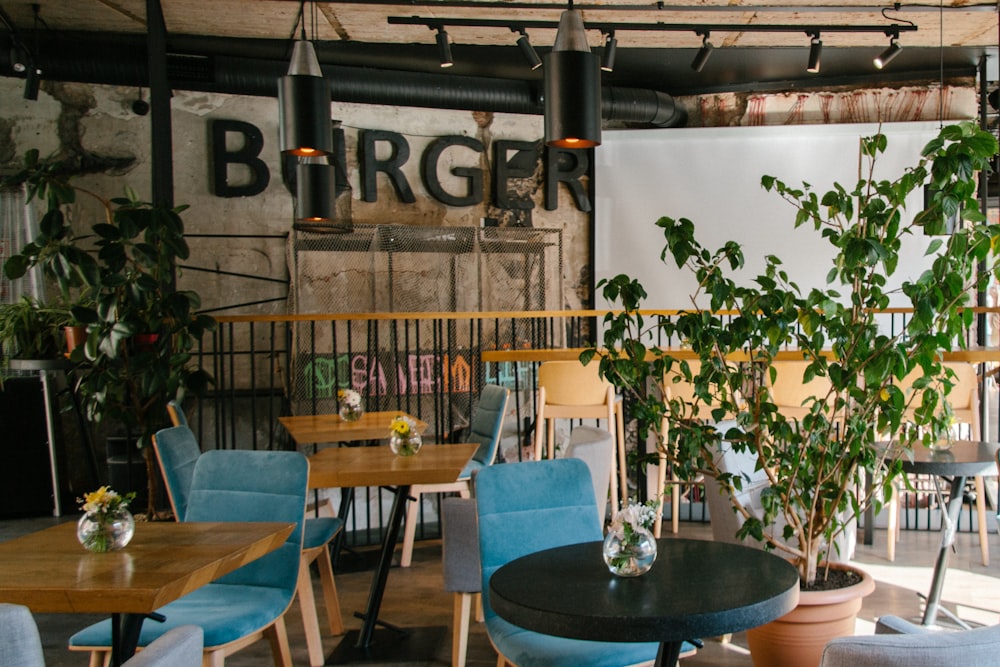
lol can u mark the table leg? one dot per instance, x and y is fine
(949, 521)
(125, 630)
(668, 654)
(402, 493)
(346, 501)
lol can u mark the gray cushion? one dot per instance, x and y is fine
(460, 546)
(180, 647)
(970, 648)
(19, 641)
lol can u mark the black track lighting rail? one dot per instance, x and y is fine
(891, 30)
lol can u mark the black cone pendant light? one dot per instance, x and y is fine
(572, 87)
(304, 105)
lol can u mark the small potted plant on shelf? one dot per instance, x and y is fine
(141, 330)
(738, 329)
(32, 330)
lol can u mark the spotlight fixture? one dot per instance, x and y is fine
(815, 50)
(890, 52)
(304, 103)
(32, 81)
(444, 47)
(572, 87)
(527, 49)
(703, 54)
(610, 50)
(315, 188)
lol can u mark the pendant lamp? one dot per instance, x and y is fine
(572, 88)
(304, 105)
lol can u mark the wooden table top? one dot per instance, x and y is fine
(49, 571)
(309, 429)
(975, 355)
(378, 466)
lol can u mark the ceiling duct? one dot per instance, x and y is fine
(113, 63)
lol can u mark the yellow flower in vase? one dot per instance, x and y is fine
(403, 437)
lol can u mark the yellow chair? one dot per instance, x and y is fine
(570, 390)
(790, 393)
(964, 401)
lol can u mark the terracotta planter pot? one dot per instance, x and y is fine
(144, 342)
(75, 336)
(797, 638)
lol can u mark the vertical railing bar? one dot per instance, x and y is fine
(253, 384)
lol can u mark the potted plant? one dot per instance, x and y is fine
(738, 329)
(31, 330)
(120, 276)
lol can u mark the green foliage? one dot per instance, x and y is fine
(30, 330)
(817, 464)
(141, 331)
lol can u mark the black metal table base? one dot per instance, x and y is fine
(387, 646)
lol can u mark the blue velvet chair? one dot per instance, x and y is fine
(177, 451)
(485, 430)
(249, 603)
(527, 507)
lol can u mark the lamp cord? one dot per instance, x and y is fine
(941, 64)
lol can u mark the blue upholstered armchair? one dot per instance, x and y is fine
(249, 603)
(527, 507)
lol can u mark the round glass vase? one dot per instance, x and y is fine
(630, 554)
(103, 532)
(405, 445)
(350, 413)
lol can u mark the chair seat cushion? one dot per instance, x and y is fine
(532, 649)
(320, 530)
(472, 466)
(225, 612)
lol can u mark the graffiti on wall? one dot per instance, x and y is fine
(414, 374)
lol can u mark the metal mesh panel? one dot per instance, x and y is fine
(406, 364)
(17, 227)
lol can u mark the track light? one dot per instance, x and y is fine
(890, 52)
(815, 50)
(572, 87)
(610, 50)
(703, 54)
(527, 49)
(444, 48)
(32, 81)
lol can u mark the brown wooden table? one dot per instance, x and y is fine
(314, 429)
(378, 466)
(49, 571)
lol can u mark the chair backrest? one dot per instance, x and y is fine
(177, 451)
(487, 422)
(596, 448)
(20, 643)
(924, 648)
(241, 485)
(460, 546)
(572, 383)
(964, 394)
(790, 392)
(178, 647)
(531, 506)
(176, 412)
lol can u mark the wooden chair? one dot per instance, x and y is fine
(249, 603)
(177, 451)
(790, 393)
(964, 401)
(485, 430)
(570, 390)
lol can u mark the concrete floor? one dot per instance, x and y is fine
(415, 596)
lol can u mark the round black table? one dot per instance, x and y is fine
(695, 589)
(963, 460)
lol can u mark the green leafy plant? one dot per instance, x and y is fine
(739, 329)
(120, 277)
(32, 330)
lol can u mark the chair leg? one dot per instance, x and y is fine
(893, 522)
(99, 658)
(675, 508)
(410, 529)
(310, 622)
(330, 597)
(984, 535)
(277, 636)
(478, 597)
(213, 658)
(460, 629)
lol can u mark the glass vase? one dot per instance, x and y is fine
(405, 446)
(102, 532)
(629, 554)
(351, 413)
